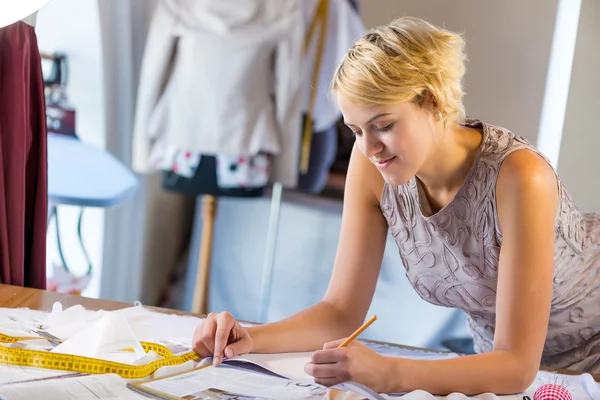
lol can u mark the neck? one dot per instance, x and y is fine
(450, 160)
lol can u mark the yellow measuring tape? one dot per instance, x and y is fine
(88, 365)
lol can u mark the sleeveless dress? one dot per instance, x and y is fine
(451, 257)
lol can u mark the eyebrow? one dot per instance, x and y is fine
(373, 118)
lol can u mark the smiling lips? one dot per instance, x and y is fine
(384, 163)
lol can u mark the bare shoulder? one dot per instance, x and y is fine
(525, 170)
(364, 179)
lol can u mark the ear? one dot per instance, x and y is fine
(429, 103)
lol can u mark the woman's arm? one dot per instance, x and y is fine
(354, 278)
(527, 201)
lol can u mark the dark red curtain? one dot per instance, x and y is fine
(23, 159)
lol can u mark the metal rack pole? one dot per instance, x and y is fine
(269, 259)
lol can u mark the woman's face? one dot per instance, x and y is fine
(396, 138)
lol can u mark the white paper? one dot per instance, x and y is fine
(417, 354)
(81, 329)
(64, 323)
(152, 326)
(146, 325)
(18, 322)
(287, 365)
(423, 395)
(92, 387)
(104, 339)
(225, 378)
(13, 374)
(291, 365)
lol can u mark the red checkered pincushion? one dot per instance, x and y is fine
(552, 392)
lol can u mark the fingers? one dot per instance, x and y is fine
(207, 336)
(329, 367)
(198, 346)
(328, 374)
(242, 346)
(321, 371)
(225, 323)
(221, 336)
(204, 336)
(330, 356)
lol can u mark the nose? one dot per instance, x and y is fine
(370, 145)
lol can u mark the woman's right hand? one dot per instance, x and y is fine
(220, 335)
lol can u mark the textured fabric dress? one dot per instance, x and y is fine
(451, 257)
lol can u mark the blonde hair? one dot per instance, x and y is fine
(407, 60)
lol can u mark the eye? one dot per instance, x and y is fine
(356, 133)
(385, 128)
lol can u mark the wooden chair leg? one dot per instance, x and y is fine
(209, 212)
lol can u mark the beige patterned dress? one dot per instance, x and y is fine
(451, 257)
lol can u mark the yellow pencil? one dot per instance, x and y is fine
(358, 332)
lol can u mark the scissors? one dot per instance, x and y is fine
(38, 329)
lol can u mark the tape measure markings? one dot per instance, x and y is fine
(72, 363)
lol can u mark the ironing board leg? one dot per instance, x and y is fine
(209, 211)
(267, 273)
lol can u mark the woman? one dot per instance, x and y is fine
(481, 220)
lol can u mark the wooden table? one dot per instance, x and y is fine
(35, 299)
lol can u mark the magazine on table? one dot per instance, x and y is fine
(252, 376)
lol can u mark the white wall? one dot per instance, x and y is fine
(124, 25)
(578, 162)
(72, 27)
(508, 46)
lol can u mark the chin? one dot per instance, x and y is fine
(396, 179)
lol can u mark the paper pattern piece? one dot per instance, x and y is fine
(10, 374)
(103, 339)
(92, 387)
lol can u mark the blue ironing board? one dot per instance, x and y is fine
(84, 175)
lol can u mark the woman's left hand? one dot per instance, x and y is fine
(356, 363)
